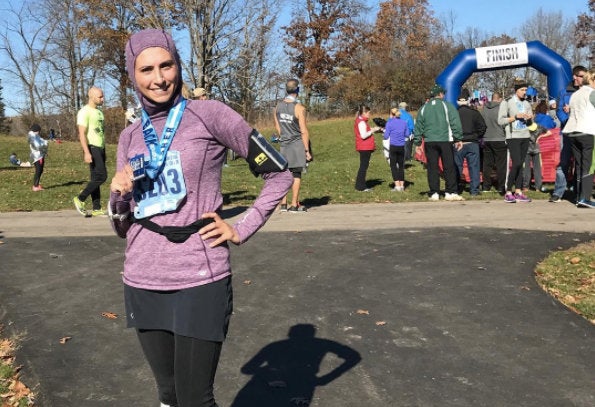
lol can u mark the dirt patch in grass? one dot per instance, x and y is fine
(569, 276)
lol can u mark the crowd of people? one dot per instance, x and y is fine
(502, 137)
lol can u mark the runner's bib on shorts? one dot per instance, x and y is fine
(165, 193)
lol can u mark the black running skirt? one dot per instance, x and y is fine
(201, 312)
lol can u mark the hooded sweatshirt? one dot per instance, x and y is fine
(206, 129)
(494, 131)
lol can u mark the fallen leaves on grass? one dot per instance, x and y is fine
(13, 392)
(569, 276)
(5, 348)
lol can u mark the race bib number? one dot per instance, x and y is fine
(165, 193)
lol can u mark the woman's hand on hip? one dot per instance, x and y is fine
(219, 230)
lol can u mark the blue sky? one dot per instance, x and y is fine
(497, 16)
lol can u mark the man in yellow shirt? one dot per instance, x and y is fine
(89, 121)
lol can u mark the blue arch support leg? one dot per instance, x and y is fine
(518, 55)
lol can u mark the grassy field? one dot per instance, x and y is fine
(330, 178)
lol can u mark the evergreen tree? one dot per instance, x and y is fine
(4, 124)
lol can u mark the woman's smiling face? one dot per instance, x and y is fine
(156, 74)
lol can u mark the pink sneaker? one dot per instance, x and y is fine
(522, 198)
(509, 198)
(37, 188)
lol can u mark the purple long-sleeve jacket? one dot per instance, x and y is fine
(207, 128)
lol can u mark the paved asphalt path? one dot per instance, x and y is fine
(421, 304)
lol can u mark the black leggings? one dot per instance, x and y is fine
(397, 162)
(184, 367)
(38, 171)
(364, 162)
(582, 150)
(517, 149)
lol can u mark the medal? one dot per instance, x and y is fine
(138, 166)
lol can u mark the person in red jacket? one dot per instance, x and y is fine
(364, 145)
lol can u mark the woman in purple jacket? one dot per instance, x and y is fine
(177, 275)
(397, 131)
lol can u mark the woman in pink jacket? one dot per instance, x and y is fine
(165, 200)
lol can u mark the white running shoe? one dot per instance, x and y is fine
(453, 197)
(434, 197)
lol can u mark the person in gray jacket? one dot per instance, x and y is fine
(494, 147)
(516, 115)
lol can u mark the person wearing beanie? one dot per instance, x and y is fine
(438, 125)
(166, 201)
(516, 115)
(89, 121)
(39, 150)
(474, 127)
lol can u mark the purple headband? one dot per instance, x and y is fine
(137, 43)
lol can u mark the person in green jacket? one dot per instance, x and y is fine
(439, 126)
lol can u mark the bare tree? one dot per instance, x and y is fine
(213, 30)
(553, 31)
(25, 41)
(472, 37)
(313, 38)
(585, 32)
(245, 83)
(105, 28)
(403, 61)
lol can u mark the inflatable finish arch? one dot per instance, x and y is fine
(532, 53)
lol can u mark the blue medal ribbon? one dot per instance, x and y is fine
(158, 148)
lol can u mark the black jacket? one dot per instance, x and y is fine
(474, 127)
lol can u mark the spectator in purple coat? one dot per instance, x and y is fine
(397, 132)
(177, 274)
